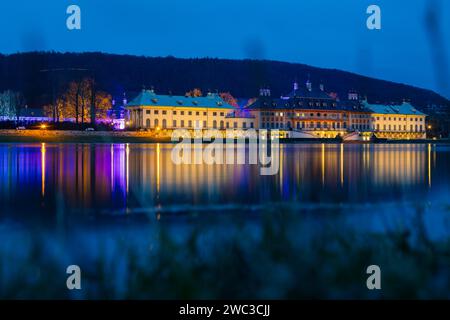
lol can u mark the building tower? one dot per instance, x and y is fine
(309, 85)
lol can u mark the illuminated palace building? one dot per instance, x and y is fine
(152, 111)
(309, 112)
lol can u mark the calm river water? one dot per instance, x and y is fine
(40, 180)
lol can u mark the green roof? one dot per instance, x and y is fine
(404, 108)
(150, 98)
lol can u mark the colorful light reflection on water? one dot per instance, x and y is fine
(37, 179)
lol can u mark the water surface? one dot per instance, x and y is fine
(126, 179)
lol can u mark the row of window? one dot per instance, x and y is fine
(361, 116)
(292, 114)
(413, 128)
(190, 113)
(361, 121)
(318, 114)
(337, 125)
(360, 127)
(402, 119)
(190, 124)
(311, 104)
(304, 125)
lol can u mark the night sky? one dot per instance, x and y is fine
(323, 33)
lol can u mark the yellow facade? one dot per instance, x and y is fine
(399, 126)
(174, 117)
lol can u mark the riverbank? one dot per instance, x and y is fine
(72, 136)
(60, 136)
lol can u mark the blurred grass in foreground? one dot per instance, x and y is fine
(276, 255)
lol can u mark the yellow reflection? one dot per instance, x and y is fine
(158, 166)
(399, 164)
(43, 150)
(367, 155)
(281, 168)
(342, 164)
(323, 164)
(429, 165)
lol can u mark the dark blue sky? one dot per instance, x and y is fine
(324, 33)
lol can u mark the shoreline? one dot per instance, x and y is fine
(69, 136)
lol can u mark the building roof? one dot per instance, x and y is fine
(301, 97)
(314, 93)
(404, 108)
(150, 98)
(294, 103)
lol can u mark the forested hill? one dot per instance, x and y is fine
(39, 74)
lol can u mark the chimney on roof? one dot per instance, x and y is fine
(264, 92)
(353, 95)
(125, 100)
(322, 87)
(309, 85)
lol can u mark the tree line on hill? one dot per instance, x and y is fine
(41, 76)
